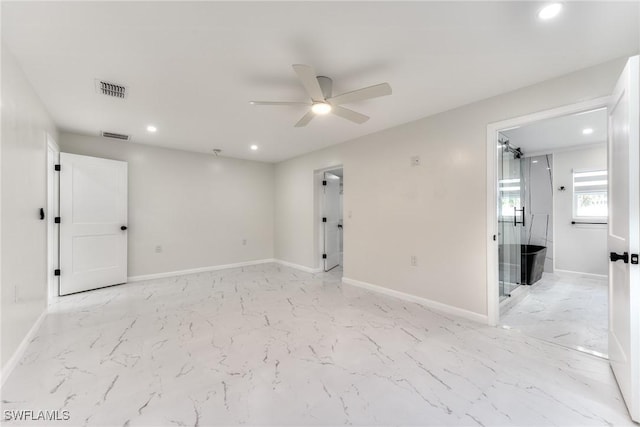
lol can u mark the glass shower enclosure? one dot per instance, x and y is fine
(511, 216)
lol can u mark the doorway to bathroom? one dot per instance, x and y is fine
(330, 221)
(550, 211)
(585, 200)
(552, 237)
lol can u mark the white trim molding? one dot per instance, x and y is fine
(142, 277)
(578, 274)
(298, 266)
(445, 308)
(197, 270)
(17, 355)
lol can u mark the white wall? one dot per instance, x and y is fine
(436, 211)
(581, 248)
(199, 208)
(25, 123)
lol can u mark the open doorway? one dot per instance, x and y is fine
(622, 176)
(552, 233)
(332, 220)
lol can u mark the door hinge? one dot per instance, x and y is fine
(324, 256)
(324, 219)
(57, 220)
(494, 238)
(634, 258)
(324, 182)
(56, 272)
(56, 168)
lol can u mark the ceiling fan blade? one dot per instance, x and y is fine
(307, 76)
(277, 103)
(305, 119)
(375, 91)
(350, 115)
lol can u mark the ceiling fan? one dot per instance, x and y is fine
(323, 102)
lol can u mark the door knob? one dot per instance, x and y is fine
(617, 257)
(124, 227)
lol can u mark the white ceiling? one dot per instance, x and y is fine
(560, 133)
(192, 67)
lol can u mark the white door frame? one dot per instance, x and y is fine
(51, 211)
(318, 230)
(493, 308)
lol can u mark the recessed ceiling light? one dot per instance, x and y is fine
(254, 147)
(321, 108)
(534, 161)
(550, 11)
(587, 131)
(151, 128)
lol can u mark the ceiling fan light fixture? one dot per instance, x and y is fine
(550, 11)
(321, 108)
(319, 89)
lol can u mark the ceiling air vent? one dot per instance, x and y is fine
(111, 89)
(116, 136)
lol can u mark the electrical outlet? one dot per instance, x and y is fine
(415, 160)
(414, 260)
(158, 249)
(244, 242)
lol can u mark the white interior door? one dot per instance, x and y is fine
(93, 212)
(624, 236)
(332, 223)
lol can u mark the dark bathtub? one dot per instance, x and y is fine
(532, 261)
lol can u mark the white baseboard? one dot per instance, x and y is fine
(298, 266)
(221, 267)
(445, 308)
(17, 355)
(577, 273)
(197, 270)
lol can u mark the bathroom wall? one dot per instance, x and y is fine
(538, 201)
(579, 248)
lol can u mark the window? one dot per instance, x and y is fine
(509, 197)
(590, 195)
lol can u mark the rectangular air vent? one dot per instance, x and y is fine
(116, 136)
(111, 89)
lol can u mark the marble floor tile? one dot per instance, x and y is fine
(569, 310)
(270, 345)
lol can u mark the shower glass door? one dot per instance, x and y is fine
(510, 217)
